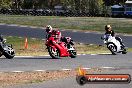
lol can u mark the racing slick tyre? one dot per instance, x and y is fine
(112, 47)
(1, 53)
(124, 51)
(54, 53)
(73, 54)
(8, 52)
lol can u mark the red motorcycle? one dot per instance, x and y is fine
(62, 49)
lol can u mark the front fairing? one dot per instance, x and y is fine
(107, 38)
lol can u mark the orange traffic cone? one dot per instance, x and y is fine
(26, 43)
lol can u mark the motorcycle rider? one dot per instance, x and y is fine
(109, 30)
(57, 35)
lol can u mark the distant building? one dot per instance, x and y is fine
(59, 9)
(117, 10)
(128, 8)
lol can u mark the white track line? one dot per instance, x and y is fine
(39, 70)
(33, 38)
(91, 44)
(12, 25)
(87, 68)
(2, 24)
(107, 67)
(23, 26)
(24, 56)
(19, 37)
(49, 55)
(43, 39)
(18, 25)
(86, 32)
(64, 69)
(33, 27)
(93, 54)
(105, 53)
(17, 71)
(74, 31)
(63, 30)
(44, 55)
(78, 54)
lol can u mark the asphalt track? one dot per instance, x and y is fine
(121, 62)
(70, 83)
(47, 63)
(113, 64)
(33, 32)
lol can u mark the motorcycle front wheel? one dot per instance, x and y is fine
(54, 53)
(9, 52)
(124, 51)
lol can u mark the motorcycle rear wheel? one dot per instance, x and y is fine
(112, 47)
(1, 53)
(9, 52)
(73, 54)
(54, 53)
(124, 51)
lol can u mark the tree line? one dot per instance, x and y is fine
(93, 6)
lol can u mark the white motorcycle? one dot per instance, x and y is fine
(113, 44)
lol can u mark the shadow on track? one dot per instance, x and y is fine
(35, 58)
(48, 58)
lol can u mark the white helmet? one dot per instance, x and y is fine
(107, 27)
(49, 28)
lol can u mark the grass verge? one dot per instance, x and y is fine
(120, 25)
(37, 47)
(13, 78)
(17, 78)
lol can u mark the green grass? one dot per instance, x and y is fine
(37, 47)
(91, 49)
(77, 23)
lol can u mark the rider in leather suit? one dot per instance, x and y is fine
(109, 30)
